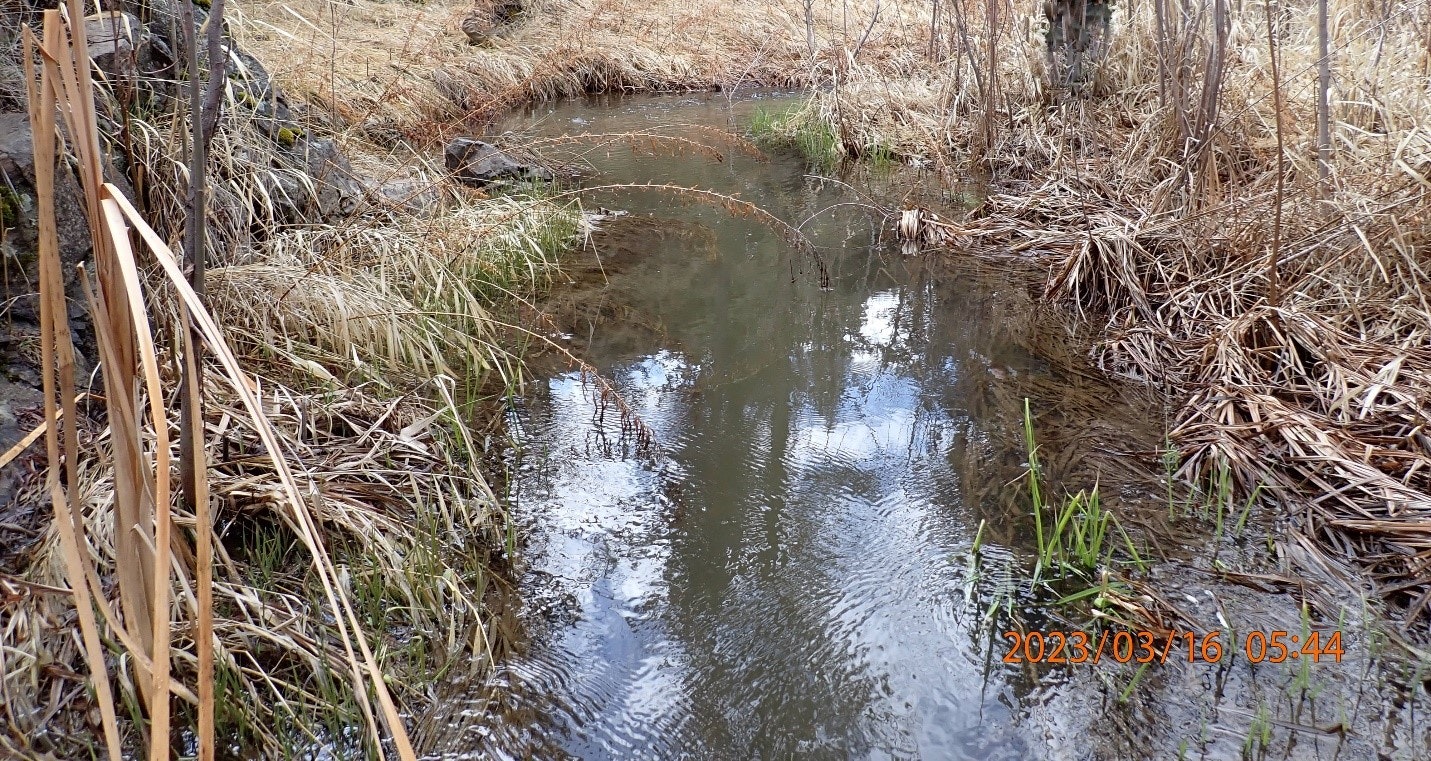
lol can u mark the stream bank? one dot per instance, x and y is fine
(512, 72)
(823, 552)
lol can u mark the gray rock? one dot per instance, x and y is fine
(337, 190)
(411, 191)
(488, 17)
(116, 41)
(256, 91)
(20, 398)
(19, 245)
(126, 51)
(21, 519)
(473, 162)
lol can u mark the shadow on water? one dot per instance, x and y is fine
(793, 574)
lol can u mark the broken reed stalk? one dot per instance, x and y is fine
(196, 465)
(146, 524)
(57, 366)
(809, 18)
(142, 530)
(158, 484)
(145, 548)
(67, 72)
(933, 29)
(344, 616)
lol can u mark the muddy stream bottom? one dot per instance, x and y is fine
(797, 569)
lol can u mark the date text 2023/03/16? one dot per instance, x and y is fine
(1134, 646)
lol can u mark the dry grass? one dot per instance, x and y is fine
(351, 336)
(355, 537)
(1317, 389)
(404, 69)
(387, 471)
(384, 298)
(1150, 212)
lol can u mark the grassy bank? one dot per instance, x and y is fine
(365, 340)
(405, 69)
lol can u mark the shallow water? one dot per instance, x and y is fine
(790, 571)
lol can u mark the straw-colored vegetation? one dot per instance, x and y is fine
(354, 553)
(401, 68)
(1171, 184)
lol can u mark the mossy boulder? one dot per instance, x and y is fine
(19, 247)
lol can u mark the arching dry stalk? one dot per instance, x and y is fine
(731, 204)
(654, 141)
(736, 140)
(658, 136)
(633, 428)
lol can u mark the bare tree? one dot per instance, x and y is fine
(933, 29)
(1273, 285)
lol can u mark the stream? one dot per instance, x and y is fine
(819, 554)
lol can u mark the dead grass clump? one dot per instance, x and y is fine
(342, 325)
(412, 533)
(382, 298)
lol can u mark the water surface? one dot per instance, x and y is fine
(789, 572)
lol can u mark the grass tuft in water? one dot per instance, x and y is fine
(800, 128)
(1077, 538)
(1259, 734)
(1213, 500)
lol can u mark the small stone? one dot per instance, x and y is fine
(338, 190)
(115, 41)
(486, 17)
(478, 26)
